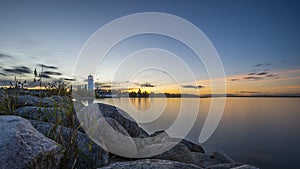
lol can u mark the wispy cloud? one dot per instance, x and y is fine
(69, 79)
(249, 92)
(2, 55)
(52, 73)
(147, 85)
(263, 65)
(45, 76)
(47, 66)
(18, 70)
(191, 86)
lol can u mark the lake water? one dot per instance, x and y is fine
(261, 131)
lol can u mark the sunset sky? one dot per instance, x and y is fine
(258, 43)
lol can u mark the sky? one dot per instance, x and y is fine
(257, 42)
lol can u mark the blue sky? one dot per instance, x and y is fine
(244, 33)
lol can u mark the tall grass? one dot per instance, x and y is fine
(70, 151)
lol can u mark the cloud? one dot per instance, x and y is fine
(2, 55)
(253, 78)
(3, 74)
(262, 73)
(258, 65)
(52, 73)
(69, 79)
(249, 92)
(47, 66)
(45, 76)
(106, 86)
(234, 80)
(271, 75)
(18, 70)
(192, 86)
(147, 85)
(263, 64)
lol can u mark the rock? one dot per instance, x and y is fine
(55, 115)
(162, 136)
(225, 166)
(222, 157)
(245, 166)
(29, 100)
(192, 146)
(167, 151)
(198, 158)
(162, 133)
(151, 164)
(22, 146)
(64, 99)
(159, 136)
(98, 110)
(203, 160)
(90, 154)
(115, 138)
(208, 163)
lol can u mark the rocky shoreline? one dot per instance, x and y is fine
(44, 132)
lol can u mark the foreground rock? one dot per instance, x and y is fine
(161, 137)
(90, 154)
(151, 164)
(54, 115)
(168, 151)
(113, 136)
(22, 146)
(98, 110)
(29, 100)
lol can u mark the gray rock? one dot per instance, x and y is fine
(98, 110)
(208, 163)
(55, 115)
(28, 100)
(90, 154)
(162, 136)
(162, 133)
(222, 157)
(167, 151)
(225, 166)
(113, 136)
(199, 158)
(192, 146)
(245, 166)
(151, 164)
(22, 146)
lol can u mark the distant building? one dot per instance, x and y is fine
(90, 82)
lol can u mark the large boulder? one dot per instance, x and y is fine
(29, 100)
(99, 110)
(113, 136)
(151, 164)
(245, 166)
(22, 146)
(225, 166)
(167, 151)
(161, 136)
(222, 157)
(90, 154)
(203, 160)
(55, 115)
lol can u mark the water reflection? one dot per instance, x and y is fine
(260, 131)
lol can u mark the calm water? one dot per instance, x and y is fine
(261, 131)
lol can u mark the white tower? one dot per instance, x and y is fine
(90, 82)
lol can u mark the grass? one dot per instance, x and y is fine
(70, 150)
